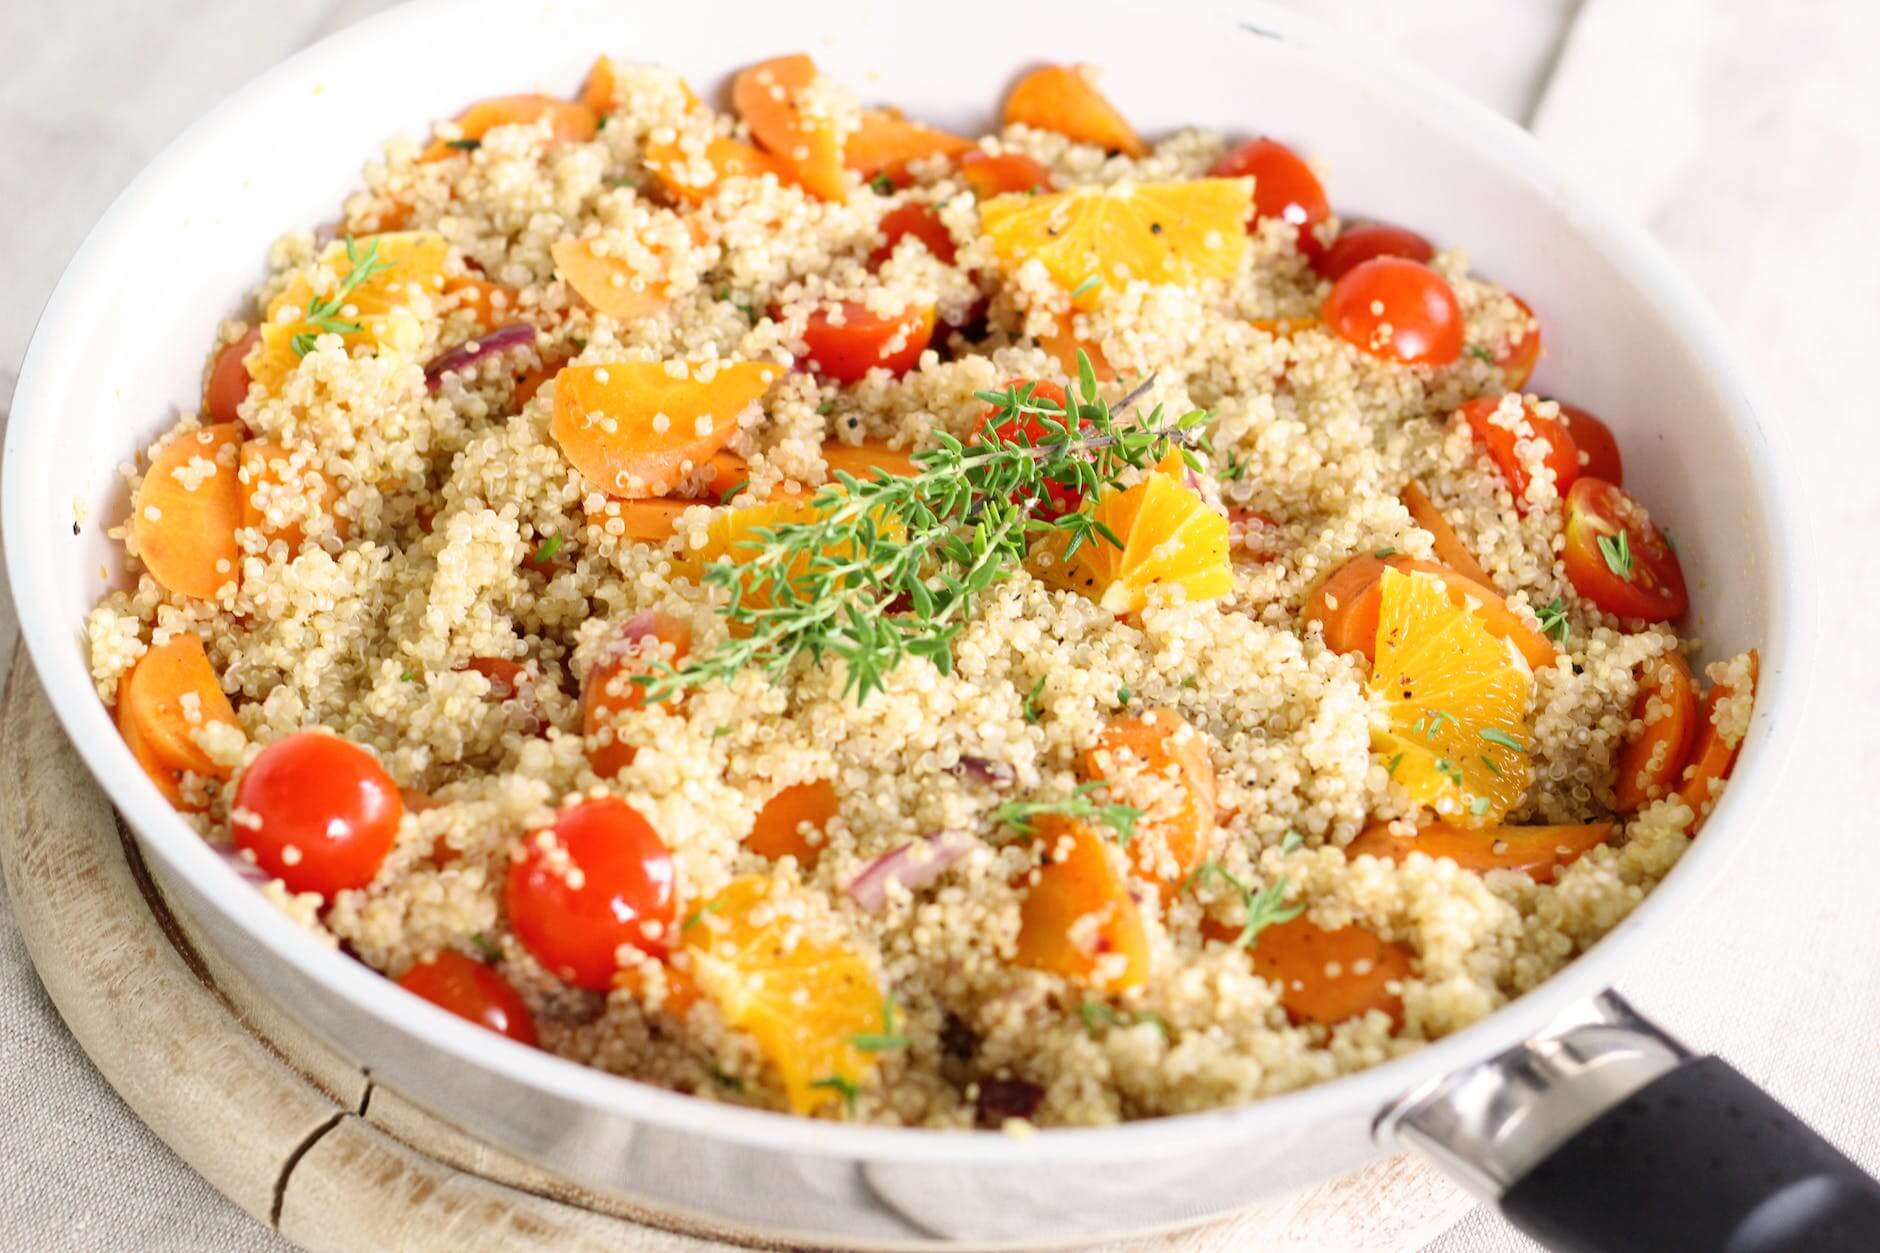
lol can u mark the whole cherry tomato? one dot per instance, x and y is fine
(1284, 187)
(1561, 454)
(1616, 557)
(1396, 309)
(318, 812)
(472, 991)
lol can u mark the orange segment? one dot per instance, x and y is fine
(1170, 539)
(862, 460)
(1157, 232)
(785, 823)
(170, 691)
(1450, 703)
(801, 992)
(276, 494)
(1060, 98)
(1063, 345)
(886, 142)
(1346, 601)
(732, 536)
(1450, 549)
(680, 991)
(610, 694)
(1652, 761)
(1539, 851)
(1078, 920)
(187, 509)
(567, 121)
(1714, 754)
(778, 100)
(405, 267)
(1159, 764)
(1329, 976)
(636, 428)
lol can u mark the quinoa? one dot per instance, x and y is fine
(436, 524)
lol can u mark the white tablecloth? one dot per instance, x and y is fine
(1745, 135)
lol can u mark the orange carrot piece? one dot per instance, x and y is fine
(1450, 550)
(491, 303)
(1059, 98)
(1541, 851)
(783, 825)
(636, 430)
(1329, 976)
(654, 520)
(1062, 344)
(568, 121)
(1077, 882)
(769, 96)
(1159, 764)
(886, 142)
(1652, 762)
(1348, 598)
(609, 284)
(228, 379)
(610, 692)
(171, 690)
(1006, 174)
(1713, 757)
(597, 90)
(862, 460)
(695, 181)
(264, 470)
(185, 527)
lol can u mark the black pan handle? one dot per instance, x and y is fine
(1606, 1136)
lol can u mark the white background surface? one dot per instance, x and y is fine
(1745, 135)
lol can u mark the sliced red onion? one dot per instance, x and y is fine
(913, 866)
(1002, 1099)
(245, 869)
(996, 775)
(502, 339)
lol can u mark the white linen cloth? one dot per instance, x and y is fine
(1745, 135)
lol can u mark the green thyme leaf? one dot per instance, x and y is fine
(1090, 284)
(547, 549)
(1121, 819)
(464, 145)
(1479, 352)
(1617, 550)
(482, 942)
(884, 1040)
(1264, 908)
(1554, 622)
(849, 1089)
(882, 185)
(1495, 735)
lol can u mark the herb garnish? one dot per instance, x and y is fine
(1123, 694)
(1090, 284)
(1479, 806)
(322, 315)
(885, 1039)
(1264, 908)
(838, 1083)
(490, 951)
(1554, 622)
(547, 549)
(1382, 553)
(1476, 350)
(1033, 710)
(1119, 818)
(1449, 770)
(464, 145)
(1390, 767)
(1617, 550)
(1495, 735)
(1102, 1013)
(882, 185)
(932, 541)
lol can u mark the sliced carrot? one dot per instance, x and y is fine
(1059, 98)
(1159, 764)
(1078, 920)
(610, 284)
(1064, 345)
(784, 824)
(610, 692)
(228, 379)
(654, 520)
(533, 378)
(1347, 600)
(886, 142)
(171, 690)
(1652, 762)
(862, 460)
(847, 347)
(695, 177)
(1329, 976)
(1450, 550)
(1005, 174)
(185, 526)
(265, 471)
(1713, 756)
(568, 121)
(492, 304)
(597, 91)
(637, 428)
(1540, 851)
(723, 472)
(771, 98)
(681, 992)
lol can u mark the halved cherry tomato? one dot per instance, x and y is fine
(318, 812)
(1539, 852)
(846, 350)
(1009, 172)
(1652, 762)
(1616, 557)
(1357, 244)
(228, 379)
(1396, 309)
(784, 823)
(1060, 498)
(1599, 449)
(1562, 455)
(1712, 757)
(920, 221)
(472, 991)
(1284, 187)
(599, 878)
(1518, 359)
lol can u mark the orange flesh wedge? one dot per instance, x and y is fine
(1300, 957)
(380, 306)
(1539, 851)
(171, 690)
(783, 826)
(886, 142)
(635, 430)
(1078, 920)
(1450, 550)
(185, 527)
(1652, 761)
(801, 994)
(1063, 345)
(1058, 98)
(771, 97)
(610, 284)
(1346, 602)
(610, 694)
(266, 471)
(1170, 539)
(862, 460)
(1159, 764)
(568, 120)
(1712, 757)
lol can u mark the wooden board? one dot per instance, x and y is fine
(304, 1141)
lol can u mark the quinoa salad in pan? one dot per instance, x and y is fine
(799, 607)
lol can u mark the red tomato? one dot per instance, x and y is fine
(920, 221)
(604, 879)
(847, 350)
(324, 813)
(228, 379)
(1284, 187)
(1357, 244)
(1562, 455)
(1060, 498)
(1407, 296)
(472, 991)
(1009, 172)
(1599, 450)
(1634, 574)
(1517, 360)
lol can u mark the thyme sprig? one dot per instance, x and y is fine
(323, 315)
(889, 567)
(1079, 804)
